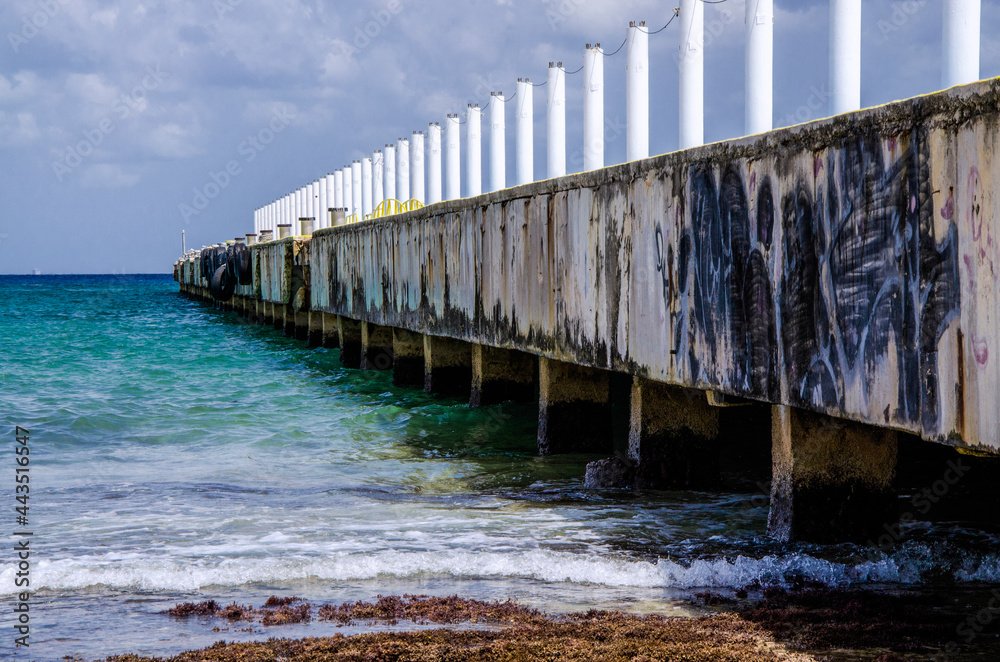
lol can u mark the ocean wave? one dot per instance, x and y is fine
(907, 568)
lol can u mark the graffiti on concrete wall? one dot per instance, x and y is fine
(859, 284)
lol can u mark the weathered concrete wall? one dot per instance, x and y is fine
(283, 271)
(847, 266)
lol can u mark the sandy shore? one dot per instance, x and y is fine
(777, 627)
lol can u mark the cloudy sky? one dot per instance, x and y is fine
(113, 113)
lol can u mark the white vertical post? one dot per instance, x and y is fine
(525, 130)
(347, 201)
(759, 66)
(593, 107)
(389, 179)
(366, 186)
(378, 178)
(357, 188)
(691, 59)
(452, 158)
(417, 158)
(474, 150)
(960, 43)
(498, 142)
(301, 207)
(556, 120)
(338, 189)
(310, 204)
(284, 210)
(637, 92)
(322, 215)
(845, 56)
(434, 191)
(403, 170)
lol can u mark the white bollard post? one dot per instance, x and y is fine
(691, 58)
(637, 92)
(525, 132)
(389, 179)
(378, 179)
(593, 107)
(417, 159)
(301, 207)
(366, 187)
(434, 182)
(453, 158)
(498, 142)
(556, 120)
(348, 199)
(311, 198)
(474, 150)
(322, 218)
(845, 56)
(960, 43)
(357, 188)
(338, 190)
(759, 66)
(403, 170)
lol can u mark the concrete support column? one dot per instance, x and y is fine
(498, 142)
(960, 43)
(331, 331)
(556, 121)
(499, 375)
(417, 159)
(672, 435)
(278, 316)
(315, 323)
(691, 58)
(408, 358)
(350, 342)
(845, 56)
(452, 158)
(376, 347)
(759, 66)
(593, 108)
(434, 182)
(267, 313)
(832, 480)
(447, 366)
(403, 170)
(574, 409)
(637, 92)
(299, 328)
(474, 151)
(525, 133)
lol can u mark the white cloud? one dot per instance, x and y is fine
(109, 175)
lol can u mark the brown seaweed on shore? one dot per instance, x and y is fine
(426, 609)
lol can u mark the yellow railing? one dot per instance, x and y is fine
(386, 208)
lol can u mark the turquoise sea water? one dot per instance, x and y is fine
(179, 453)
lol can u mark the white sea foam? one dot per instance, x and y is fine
(135, 572)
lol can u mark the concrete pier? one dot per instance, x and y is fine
(447, 366)
(832, 480)
(376, 347)
(501, 374)
(574, 409)
(350, 342)
(331, 331)
(408, 358)
(672, 435)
